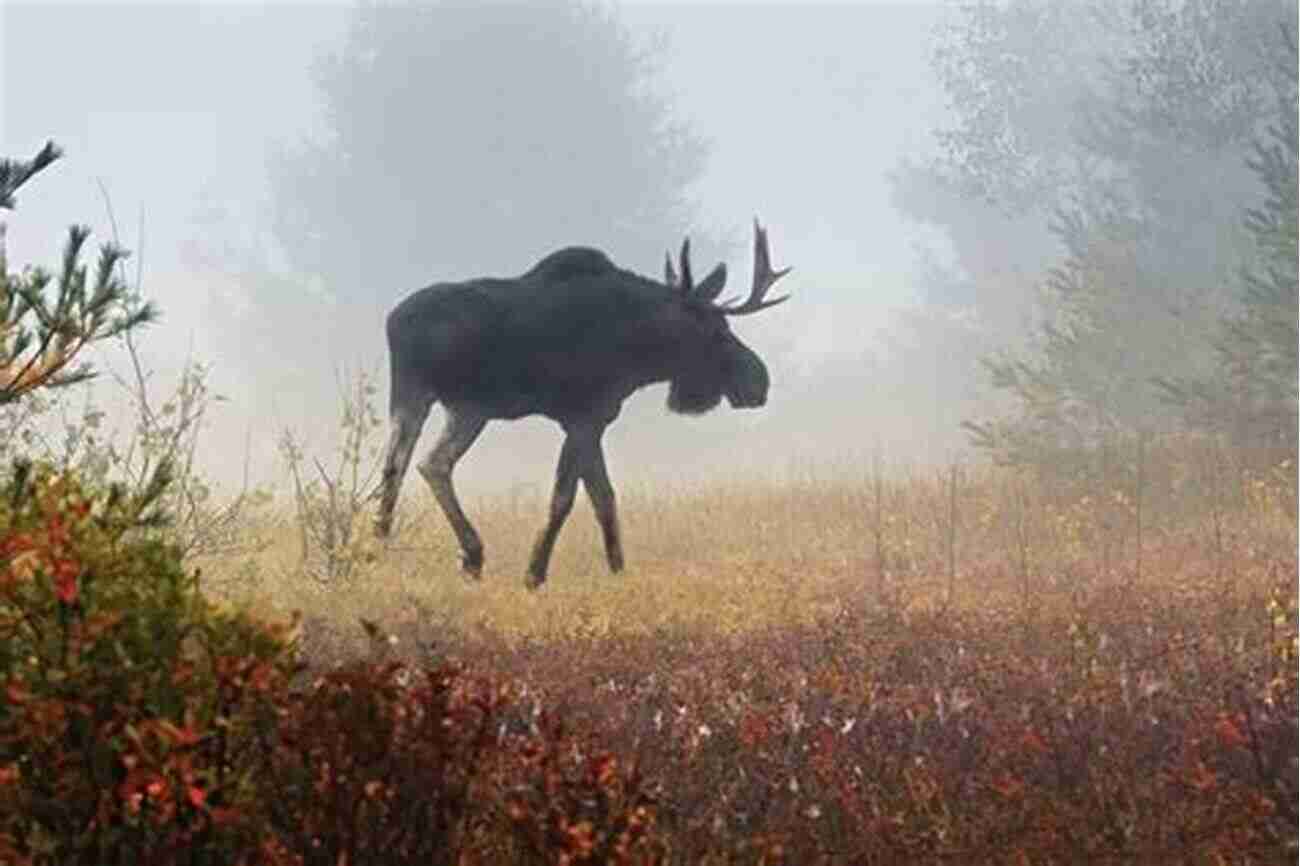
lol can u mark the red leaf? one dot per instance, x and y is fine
(1032, 741)
(65, 581)
(1008, 786)
(197, 796)
(1229, 730)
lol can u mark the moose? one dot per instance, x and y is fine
(570, 340)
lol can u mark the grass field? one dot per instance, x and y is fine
(1092, 661)
(970, 664)
(731, 557)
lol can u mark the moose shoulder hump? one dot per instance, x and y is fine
(571, 262)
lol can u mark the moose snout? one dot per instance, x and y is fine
(748, 381)
(747, 395)
(747, 401)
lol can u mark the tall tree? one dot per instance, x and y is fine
(468, 138)
(1251, 396)
(454, 139)
(1122, 128)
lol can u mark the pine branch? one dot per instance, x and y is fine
(14, 173)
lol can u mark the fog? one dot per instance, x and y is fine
(176, 116)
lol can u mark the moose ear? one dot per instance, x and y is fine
(711, 286)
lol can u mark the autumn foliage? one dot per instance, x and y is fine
(131, 703)
(142, 723)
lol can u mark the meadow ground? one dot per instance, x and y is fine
(957, 665)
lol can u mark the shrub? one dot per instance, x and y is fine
(332, 524)
(134, 708)
(384, 763)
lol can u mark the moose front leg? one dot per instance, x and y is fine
(566, 485)
(596, 479)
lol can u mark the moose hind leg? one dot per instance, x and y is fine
(406, 424)
(462, 428)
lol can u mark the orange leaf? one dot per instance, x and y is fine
(176, 735)
(603, 768)
(24, 565)
(1008, 786)
(1229, 730)
(1032, 741)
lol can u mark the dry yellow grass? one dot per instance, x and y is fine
(725, 558)
(733, 556)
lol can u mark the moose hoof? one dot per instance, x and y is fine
(472, 565)
(534, 580)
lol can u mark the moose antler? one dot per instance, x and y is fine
(687, 283)
(706, 293)
(764, 279)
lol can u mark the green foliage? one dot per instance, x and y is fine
(40, 337)
(1013, 74)
(1052, 100)
(1133, 127)
(133, 706)
(1091, 370)
(1252, 395)
(14, 173)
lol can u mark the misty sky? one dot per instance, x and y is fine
(807, 107)
(171, 106)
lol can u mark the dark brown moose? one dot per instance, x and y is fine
(571, 339)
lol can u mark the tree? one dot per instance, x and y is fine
(469, 138)
(1054, 99)
(456, 139)
(1122, 129)
(1252, 395)
(40, 340)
